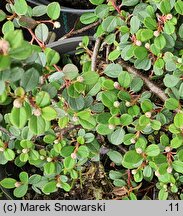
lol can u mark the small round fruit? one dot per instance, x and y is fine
(116, 104)
(111, 127)
(156, 33)
(17, 103)
(73, 156)
(49, 159)
(37, 112)
(139, 150)
(138, 43)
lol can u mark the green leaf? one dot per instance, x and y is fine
(53, 10)
(96, 2)
(114, 54)
(18, 117)
(152, 150)
(116, 157)
(66, 151)
(179, 7)
(147, 172)
(126, 119)
(37, 125)
(90, 78)
(108, 84)
(26, 144)
(134, 110)
(146, 106)
(144, 34)
(24, 157)
(164, 140)
(178, 120)
(8, 183)
(63, 122)
(42, 99)
(170, 80)
(178, 166)
(49, 187)
(30, 79)
(20, 7)
(138, 176)
(41, 32)
(15, 38)
(163, 194)
(169, 28)
(2, 15)
(108, 98)
(134, 24)
(117, 137)
(66, 186)
(88, 124)
(88, 18)
(156, 125)
(9, 154)
(52, 57)
(165, 6)
(20, 191)
(144, 64)
(39, 10)
(136, 84)
(160, 42)
(111, 22)
(102, 11)
(119, 182)
(70, 71)
(72, 92)
(8, 27)
(130, 2)
(83, 152)
(150, 23)
(24, 178)
(103, 129)
(69, 163)
(21, 53)
(132, 160)
(124, 79)
(113, 70)
(140, 52)
(49, 168)
(171, 103)
(176, 142)
(5, 62)
(48, 113)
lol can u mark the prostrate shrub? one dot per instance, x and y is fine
(124, 101)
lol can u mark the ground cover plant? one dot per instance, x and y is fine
(115, 119)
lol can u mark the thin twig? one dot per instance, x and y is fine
(95, 54)
(7, 132)
(122, 149)
(107, 53)
(79, 31)
(153, 88)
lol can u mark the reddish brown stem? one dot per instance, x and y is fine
(129, 178)
(41, 44)
(57, 68)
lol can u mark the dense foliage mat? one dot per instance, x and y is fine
(123, 103)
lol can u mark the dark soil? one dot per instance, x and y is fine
(93, 185)
(77, 4)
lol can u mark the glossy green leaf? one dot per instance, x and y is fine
(53, 10)
(18, 117)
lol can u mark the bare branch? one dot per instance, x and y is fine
(153, 88)
(95, 54)
(79, 31)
